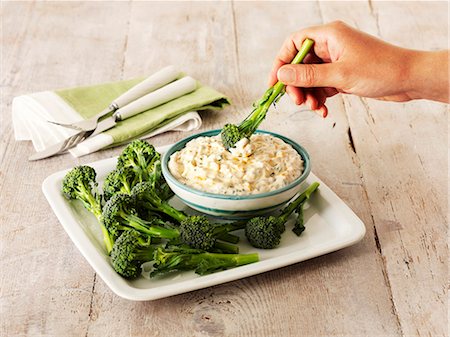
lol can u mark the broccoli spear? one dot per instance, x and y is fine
(195, 231)
(180, 258)
(132, 249)
(120, 214)
(231, 133)
(265, 232)
(79, 183)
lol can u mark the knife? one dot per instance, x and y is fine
(160, 96)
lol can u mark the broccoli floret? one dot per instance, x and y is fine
(145, 161)
(195, 231)
(120, 180)
(119, 214)
(129, 252)
(179, 258)
(265, 232)
(230, 135)
(80, 184)
(141, 157)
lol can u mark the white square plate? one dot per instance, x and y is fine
(330, 225)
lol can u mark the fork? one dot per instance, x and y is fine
(62, 146)
(153, 82)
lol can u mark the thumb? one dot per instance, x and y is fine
(310, 75)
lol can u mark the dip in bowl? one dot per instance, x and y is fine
(262, 188)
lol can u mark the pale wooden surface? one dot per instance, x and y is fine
(387, 161)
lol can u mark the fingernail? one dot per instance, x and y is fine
(286, 74)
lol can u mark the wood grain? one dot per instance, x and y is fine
(408, 201)
(385, 160)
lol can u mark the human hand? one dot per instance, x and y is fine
(345, 60)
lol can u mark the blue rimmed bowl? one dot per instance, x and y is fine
(235, 206)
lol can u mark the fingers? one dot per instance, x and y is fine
(292, 45)
(311, 75)
(296, 94)
(315, 98)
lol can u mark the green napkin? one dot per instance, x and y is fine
(90, 100)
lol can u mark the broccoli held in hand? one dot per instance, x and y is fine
(80, 184)
(180, 258)
(129, 252)
(119, 214)
(231, 133)
(196, 231)
(265, 232)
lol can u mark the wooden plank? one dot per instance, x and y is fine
(402, 150)
(46, 284)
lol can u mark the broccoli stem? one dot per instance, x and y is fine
(142, 226)
(200, 261)
(229, 259)
(126, 188)
(171, 211)
(230, 238)
(144, 254)
(286, 212)
(221, 232)
(226, 247)
(94, 206)
(155, 203)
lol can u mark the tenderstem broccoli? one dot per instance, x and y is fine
(120, 214)
(132, 249)
(179, 258)
(265, 232)
(80, 184)
(195, 231)
(232, 133)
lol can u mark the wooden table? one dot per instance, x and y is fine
(387, 161)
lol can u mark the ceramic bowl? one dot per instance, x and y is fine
(235, 206)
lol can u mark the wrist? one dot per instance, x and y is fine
(428, 76)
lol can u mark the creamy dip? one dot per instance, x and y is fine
(263, 164)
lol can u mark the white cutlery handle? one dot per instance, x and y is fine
(153, 82)
(163, 95)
